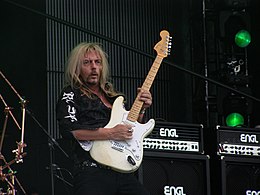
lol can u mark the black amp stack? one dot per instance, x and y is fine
(239, 152)
(174, 160)
(176, 137)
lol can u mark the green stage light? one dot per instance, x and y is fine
(242, 38)
(234, 120)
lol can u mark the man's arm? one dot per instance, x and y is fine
(119, 132)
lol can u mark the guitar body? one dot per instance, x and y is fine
(123, 156)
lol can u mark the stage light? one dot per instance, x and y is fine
(242, 38)
(236, 110)
(234, 120)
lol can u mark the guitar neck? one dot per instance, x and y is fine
(137, 105)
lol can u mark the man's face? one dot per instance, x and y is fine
(91, 68)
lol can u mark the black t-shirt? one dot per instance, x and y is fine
(77, 111)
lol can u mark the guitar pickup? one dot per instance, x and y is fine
(118, 146)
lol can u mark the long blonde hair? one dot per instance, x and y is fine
(74, 63)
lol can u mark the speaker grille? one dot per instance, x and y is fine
(240, 176)
(175, 174)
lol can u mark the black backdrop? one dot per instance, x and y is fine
(23, 61)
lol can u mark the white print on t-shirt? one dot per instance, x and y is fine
(68, 97)
(72, 113)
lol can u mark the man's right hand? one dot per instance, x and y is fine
(120, 132)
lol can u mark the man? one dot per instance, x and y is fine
(83, 110)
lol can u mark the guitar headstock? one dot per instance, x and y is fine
(163, 47)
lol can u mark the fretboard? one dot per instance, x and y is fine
(137, 105)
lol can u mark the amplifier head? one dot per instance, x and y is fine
(238, 141)
(180, 137)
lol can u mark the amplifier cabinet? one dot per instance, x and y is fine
(175, 137)
(238, 141)
(175, 173)
(240, 175)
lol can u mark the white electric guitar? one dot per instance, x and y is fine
(126, 156)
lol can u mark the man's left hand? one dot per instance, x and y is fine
(146, 97)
